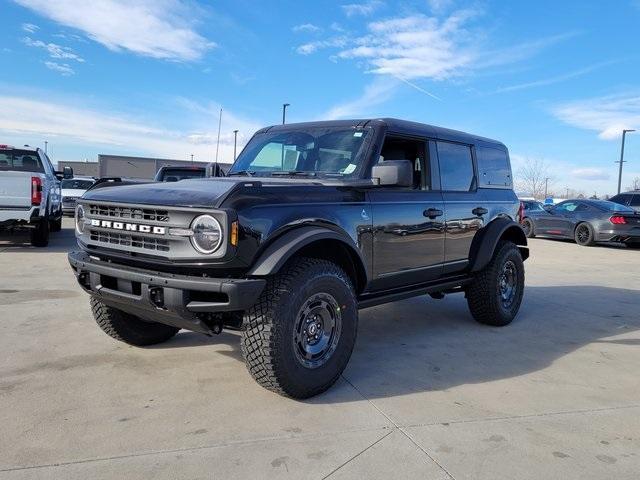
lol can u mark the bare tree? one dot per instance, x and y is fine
(635, 184)
(533, 178)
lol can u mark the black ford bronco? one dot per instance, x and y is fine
(313, 222)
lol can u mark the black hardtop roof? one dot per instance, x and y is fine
(395, 125)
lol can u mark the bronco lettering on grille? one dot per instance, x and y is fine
(129, 227)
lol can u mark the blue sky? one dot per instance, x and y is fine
(555, 81)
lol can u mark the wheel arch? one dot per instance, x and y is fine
(314, 242)
(485, 242)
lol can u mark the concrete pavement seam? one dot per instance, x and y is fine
(193, 449)
(517, 417)
(401, 430)
(358, 454)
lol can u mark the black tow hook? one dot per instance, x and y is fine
(213, 321)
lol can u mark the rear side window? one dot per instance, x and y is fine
(493, 167)
(22, 160)
(635, 201)
(622, 199)
(456, 166)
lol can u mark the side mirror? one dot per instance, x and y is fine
(397, 173)
(67, 172)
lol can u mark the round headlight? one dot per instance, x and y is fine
(207, 234)
(79, 219)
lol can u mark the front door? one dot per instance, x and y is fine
(408, 223)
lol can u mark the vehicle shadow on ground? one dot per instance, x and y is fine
(18, 242)
(612, 245)
(422, 345)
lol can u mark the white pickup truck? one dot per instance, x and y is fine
(30, 195)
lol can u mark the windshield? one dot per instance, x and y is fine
(23, 160)
(75, 184)
(311, 151)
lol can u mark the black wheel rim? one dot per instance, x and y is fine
(508, 284)
(583, 234)
(317, 330)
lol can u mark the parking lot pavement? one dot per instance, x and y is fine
(428, 392)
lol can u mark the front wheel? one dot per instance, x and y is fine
(528, 227)
(128, 328)
(298, 337)
(495, 294)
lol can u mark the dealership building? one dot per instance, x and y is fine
(125, 166)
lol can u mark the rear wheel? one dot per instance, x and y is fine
(584, 235)
(495, 294)
(128, 328)
(39, 235)
(298, 337)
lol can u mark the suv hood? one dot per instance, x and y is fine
(197, 193)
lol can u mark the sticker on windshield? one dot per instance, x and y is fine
(349, 169)
(357, 134)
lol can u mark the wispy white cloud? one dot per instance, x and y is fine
(312, 47)
(428, 47)
(607, 115)
(158, 29)
(30, 27)
(552, 80)
(115, 131)
(379, 91)
(306, 28)
(54, 50)
(363, 8)
(62, 68)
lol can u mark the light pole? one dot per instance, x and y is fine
(284, 112)
(235, 143)
(192, 158)
(546, 185)
(45, 146)
(624, 134)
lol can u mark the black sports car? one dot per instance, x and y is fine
(585, 221)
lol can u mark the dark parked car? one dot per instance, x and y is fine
(174, 173)
(628, 199)
(313, 222)
(585, 221)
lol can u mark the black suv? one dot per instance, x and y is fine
(314, 222)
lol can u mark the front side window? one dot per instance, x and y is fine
(456, 167)
(567, 207)
(314, 151)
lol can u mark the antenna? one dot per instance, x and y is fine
(218, 142)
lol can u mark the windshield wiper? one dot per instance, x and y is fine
(293, 173)
(248, 173)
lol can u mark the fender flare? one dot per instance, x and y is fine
(486, 241)
(287, 245)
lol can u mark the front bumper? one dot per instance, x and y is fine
(183, 301)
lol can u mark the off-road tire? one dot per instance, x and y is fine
(588, 239)
(529, 228)
(128, 328)
(268, 345)
(39, 235)
(484, 295)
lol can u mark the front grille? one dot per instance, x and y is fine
(147, 214)
(126, 240)
(69, 201)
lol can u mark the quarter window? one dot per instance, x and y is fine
(456, 167)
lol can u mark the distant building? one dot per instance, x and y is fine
(144, 168)
(81, 169)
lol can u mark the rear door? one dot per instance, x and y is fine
(463, 205)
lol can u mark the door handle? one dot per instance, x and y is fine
(479, 211)
(432, 213)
